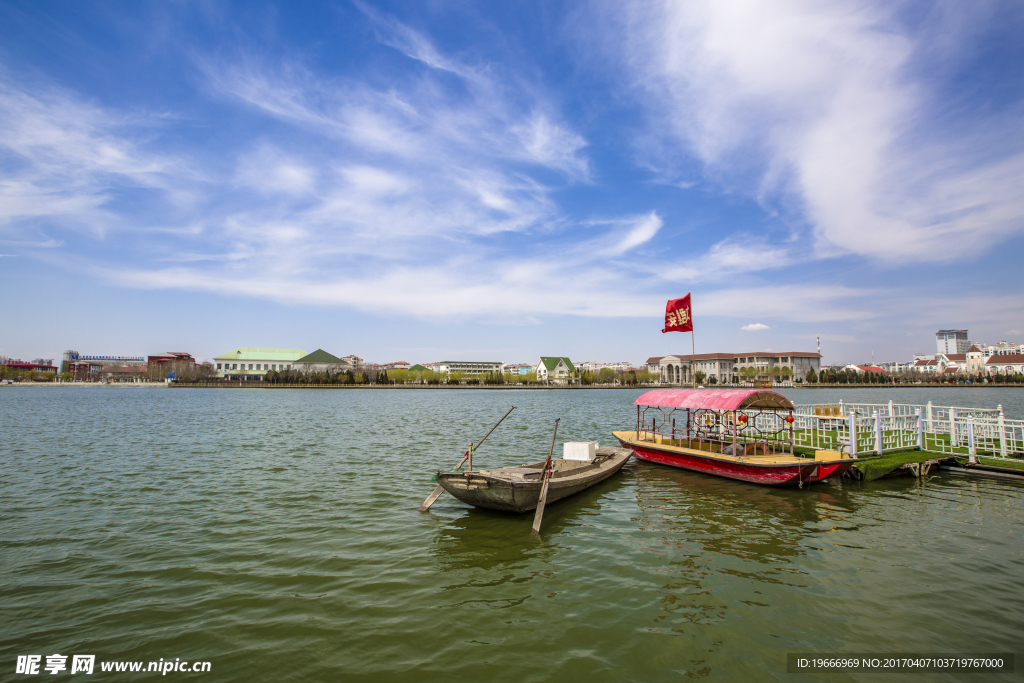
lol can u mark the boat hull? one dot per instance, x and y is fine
(768, 474)
(518, 489)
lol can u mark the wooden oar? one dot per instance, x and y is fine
(440, 489)
(546, 477)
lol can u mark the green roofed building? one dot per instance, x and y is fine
(320, 361)
(417, 368)
(555, 368)
(252, 363)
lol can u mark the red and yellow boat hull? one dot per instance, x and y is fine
(780, 469)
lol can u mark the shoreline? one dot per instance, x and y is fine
(489, 387)
(446, 387)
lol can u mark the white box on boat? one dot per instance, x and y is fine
(579, 450)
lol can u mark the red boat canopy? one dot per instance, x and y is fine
(715, 399)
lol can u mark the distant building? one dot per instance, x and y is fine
(724, 367)
(517, 368)
(469, 367)
(1003, 348)
(595, 366)
(120, 373)
(555, 368)
(867, 369)
(975, 360)
(1005, 364)
(169, 359)
(46, 366)
(951, 341)
(252, 363)
(86, 367)
(321, 361)
(397, 365)
(957, 362)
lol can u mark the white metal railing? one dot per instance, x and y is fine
(930, 413)
(881, 427)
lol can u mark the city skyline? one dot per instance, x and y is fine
(407, 181)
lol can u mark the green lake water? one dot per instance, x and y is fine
(275, 534)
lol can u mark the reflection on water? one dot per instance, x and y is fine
(275, 534)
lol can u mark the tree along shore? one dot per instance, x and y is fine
(514, 387)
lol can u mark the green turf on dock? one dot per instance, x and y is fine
(872, 468)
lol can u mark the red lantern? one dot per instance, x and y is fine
(742, 418)
(789, 419)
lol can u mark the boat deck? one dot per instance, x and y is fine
(711, 450)
(532, 471)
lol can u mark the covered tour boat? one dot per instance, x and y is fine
(736, 433)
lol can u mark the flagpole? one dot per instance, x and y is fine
(693, 358)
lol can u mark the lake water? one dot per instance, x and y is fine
(275, 535)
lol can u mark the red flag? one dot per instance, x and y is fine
(678, 316)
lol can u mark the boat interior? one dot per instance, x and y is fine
(559, 467)
(761, 452)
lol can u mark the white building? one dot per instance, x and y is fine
(951, 341)
(555, 368)
(952, 362)
(724, 367)
(596, 367)
(1003, 348)
(469, 367)
(1005, 364)
(250, 362)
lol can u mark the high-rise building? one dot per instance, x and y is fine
(952, 341)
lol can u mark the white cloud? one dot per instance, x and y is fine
(270, 170)
(514, 290)
(621, 235)
(552, 145)
(726, 259)
(67, 160)
(822, 110)
(755, 327)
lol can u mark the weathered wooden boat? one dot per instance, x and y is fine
(517, 489)
(735, 433)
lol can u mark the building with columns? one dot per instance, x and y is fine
(724, 367)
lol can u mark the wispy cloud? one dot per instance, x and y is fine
(755, 327)
(820, 110)
(69, 161)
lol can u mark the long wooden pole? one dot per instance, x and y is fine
(439, 490)
(546, 477)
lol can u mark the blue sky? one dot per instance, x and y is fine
(426, 180)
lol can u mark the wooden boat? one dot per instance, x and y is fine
(517, 489)
(735, 433)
